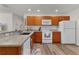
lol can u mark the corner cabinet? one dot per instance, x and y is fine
(56, 37)
(38, 37)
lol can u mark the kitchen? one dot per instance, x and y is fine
(37, 32)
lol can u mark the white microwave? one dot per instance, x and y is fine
(46, 22)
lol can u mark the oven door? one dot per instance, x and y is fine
(47, 35)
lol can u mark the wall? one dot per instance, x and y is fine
(6, 19)
(74, 15)
(4, 9)
(10, 19)
(18, 22)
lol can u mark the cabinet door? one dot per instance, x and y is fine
(55, 20)
(38, 20)
(38, 37)
(56, 37)
(46, 17)
(10, 51)
(30, 20)
(64, 18)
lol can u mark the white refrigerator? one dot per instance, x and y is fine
(67, 29)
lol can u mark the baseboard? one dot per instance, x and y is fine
(67, 43)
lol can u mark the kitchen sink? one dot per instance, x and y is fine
(25, 33)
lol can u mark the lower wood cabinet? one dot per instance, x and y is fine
(10, 51)
(23, 49)
(56, 37)
(38, 37)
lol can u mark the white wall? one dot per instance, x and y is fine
(10, 19)
(4, 9)
(74, 16)
(6, 19)
(17, 22)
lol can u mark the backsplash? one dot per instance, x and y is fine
(36, 28)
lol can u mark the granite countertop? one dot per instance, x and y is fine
(14, 40)
(6, 32)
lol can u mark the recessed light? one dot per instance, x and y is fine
(29, 9)
(56, 10)
(38, 10)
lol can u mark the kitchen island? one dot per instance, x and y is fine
(15, 44)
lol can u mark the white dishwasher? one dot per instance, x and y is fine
(26, 47)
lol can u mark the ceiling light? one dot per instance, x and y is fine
(38, 10)
(56, 10)
(29, 9)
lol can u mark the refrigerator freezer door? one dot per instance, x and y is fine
(69, 24)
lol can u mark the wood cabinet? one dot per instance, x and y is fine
(56, 37)
(10, 51)
(55, 20)
(30, 20)
(46, 17)
(34, 20)
(37, 20)
(23, 49)
(61, 18)
(38, 37)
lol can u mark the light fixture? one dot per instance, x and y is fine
(29, 9)
(38, 10)
(56, 10)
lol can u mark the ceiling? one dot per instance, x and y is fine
(21, 9)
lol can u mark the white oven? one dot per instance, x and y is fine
(46, 36)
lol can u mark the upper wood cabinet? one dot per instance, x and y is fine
(64, 18)
(34, 20)
(55, 20)
(37, 20)
(46, 17)
(30, 20)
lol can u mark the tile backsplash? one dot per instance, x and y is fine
(36, 28)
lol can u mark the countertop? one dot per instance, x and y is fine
(14, 40)
(6, 32)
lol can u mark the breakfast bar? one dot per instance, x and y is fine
(15, 44)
